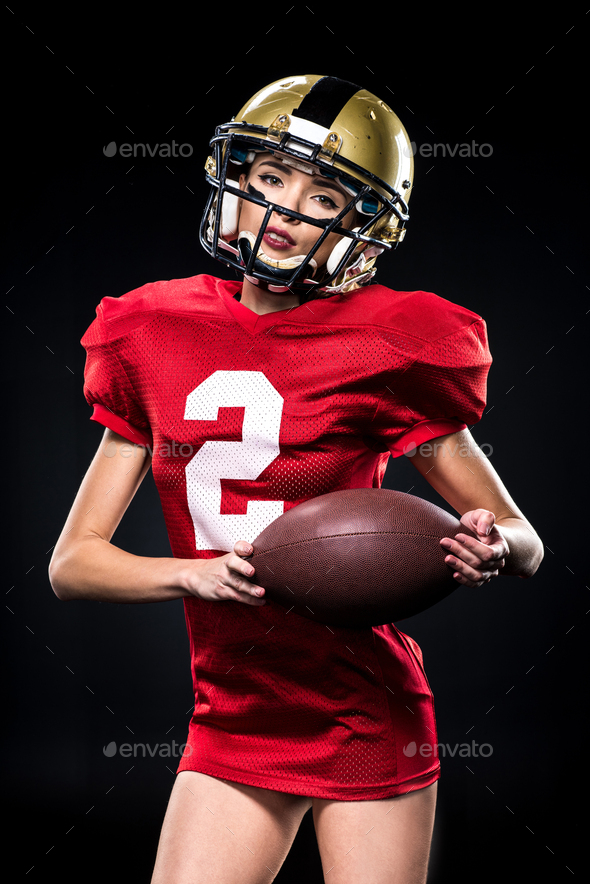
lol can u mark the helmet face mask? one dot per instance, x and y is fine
(370, 133)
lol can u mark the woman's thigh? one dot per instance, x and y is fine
(376, 842)
(218, 831)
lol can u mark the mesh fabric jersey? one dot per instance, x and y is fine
(247, 416)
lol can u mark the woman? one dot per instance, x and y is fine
(249, 398)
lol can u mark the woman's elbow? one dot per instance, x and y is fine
(536, 556)
(58, 580)
(540, 557)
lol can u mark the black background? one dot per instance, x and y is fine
(502, 235)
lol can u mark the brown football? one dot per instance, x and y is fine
(357, 558)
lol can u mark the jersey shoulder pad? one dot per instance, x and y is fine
(116, 317)
(424, 315)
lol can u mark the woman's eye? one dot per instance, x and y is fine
(326, 201)
(270, 179)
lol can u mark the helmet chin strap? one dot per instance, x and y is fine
(281, 269)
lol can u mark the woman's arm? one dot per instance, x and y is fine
(85, 565)
(457, 468)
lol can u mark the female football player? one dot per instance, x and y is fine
(250, 397)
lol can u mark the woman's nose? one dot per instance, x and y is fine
(289, 201)
(286, 219)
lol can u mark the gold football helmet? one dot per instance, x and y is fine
(337, 129)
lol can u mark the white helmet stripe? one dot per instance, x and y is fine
(305, 129)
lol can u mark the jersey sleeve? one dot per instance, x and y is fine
(108, 387)
(442, 391)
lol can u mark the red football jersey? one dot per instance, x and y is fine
(247, 416)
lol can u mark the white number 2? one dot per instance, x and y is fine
(263, 406)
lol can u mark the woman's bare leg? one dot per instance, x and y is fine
(219, 832)
(376, 842)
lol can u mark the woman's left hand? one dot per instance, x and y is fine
(477, 561)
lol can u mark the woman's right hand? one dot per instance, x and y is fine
(86, 565)
(225, 578)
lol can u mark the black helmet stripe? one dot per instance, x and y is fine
(325, 100)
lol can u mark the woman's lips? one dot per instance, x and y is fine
(285, 241)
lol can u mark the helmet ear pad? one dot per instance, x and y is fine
(231, 206)
(230, 213)
(337, 253)
(343, 244)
